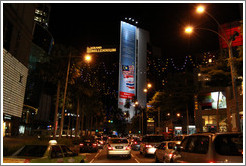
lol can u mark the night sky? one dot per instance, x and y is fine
(85, 24)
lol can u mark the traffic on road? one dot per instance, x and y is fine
(152, 148)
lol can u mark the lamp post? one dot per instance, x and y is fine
(228, 42)
(87, 59)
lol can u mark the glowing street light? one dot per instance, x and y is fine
(178, 114)
(188, 29)
(145, 90)
(149, 85)
(136, 103)
(200, 9)
(88, 58)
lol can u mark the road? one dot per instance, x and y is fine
(101, 157)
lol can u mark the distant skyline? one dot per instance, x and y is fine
(93, 24)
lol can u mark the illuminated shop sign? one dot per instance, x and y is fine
(99, 49)
(210, 100)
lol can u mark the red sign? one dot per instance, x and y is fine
(126, 95)
(229, 30)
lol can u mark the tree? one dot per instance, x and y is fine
(176, 97)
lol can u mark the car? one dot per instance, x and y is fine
(100, 143)
(118, 147)
(210, 148)
(165, 150)
(88, 145)
(135, 143)
(47, 153)
(179, 138)
(149, 143)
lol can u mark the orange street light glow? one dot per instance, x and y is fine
(188, 29)
(200, 9)
(145, 90)
(149, 85)
(88, 58)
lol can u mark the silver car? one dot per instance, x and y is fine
(149, 144)
(118, 147)
(210, 148)
(164, 152)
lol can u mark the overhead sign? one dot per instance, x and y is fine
(99, 49)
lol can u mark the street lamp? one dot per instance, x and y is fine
(178, 114)
(200, 10)
(149, 85)
(88, 59)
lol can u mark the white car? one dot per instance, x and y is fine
(164, 152)
(118, 147)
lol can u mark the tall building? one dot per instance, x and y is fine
(37, 96)
(17, 37)
(42, 15)
(132, 67)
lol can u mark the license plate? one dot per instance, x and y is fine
(119, 147)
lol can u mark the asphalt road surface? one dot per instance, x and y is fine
(101, 157)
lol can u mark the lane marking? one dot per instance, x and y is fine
(96, 155)
(135, 158)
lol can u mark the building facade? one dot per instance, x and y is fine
(132, 68)
(17, 37)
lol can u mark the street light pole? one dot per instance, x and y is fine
(64, 97)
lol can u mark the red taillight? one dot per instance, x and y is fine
(110, 148)
(81, 144)
(135, 143)
(170, 155)
(148, 146)
(211, 162)
(94, 144)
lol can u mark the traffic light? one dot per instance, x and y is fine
(112, 121)
(96, 130)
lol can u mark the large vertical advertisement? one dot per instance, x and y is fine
(127, 63)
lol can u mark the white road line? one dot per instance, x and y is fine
(135, 158)
(96, 156)
(92, 160)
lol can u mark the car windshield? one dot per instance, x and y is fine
(118, 141)
(229, 144)
(33, 151)
(153, 139)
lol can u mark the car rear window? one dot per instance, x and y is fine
(118, 141)
(153, 139)
(33, 151)
(229, 144)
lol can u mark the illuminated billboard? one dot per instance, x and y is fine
(210, 100)
(229, 30)
(99, 49)
(127, 83)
